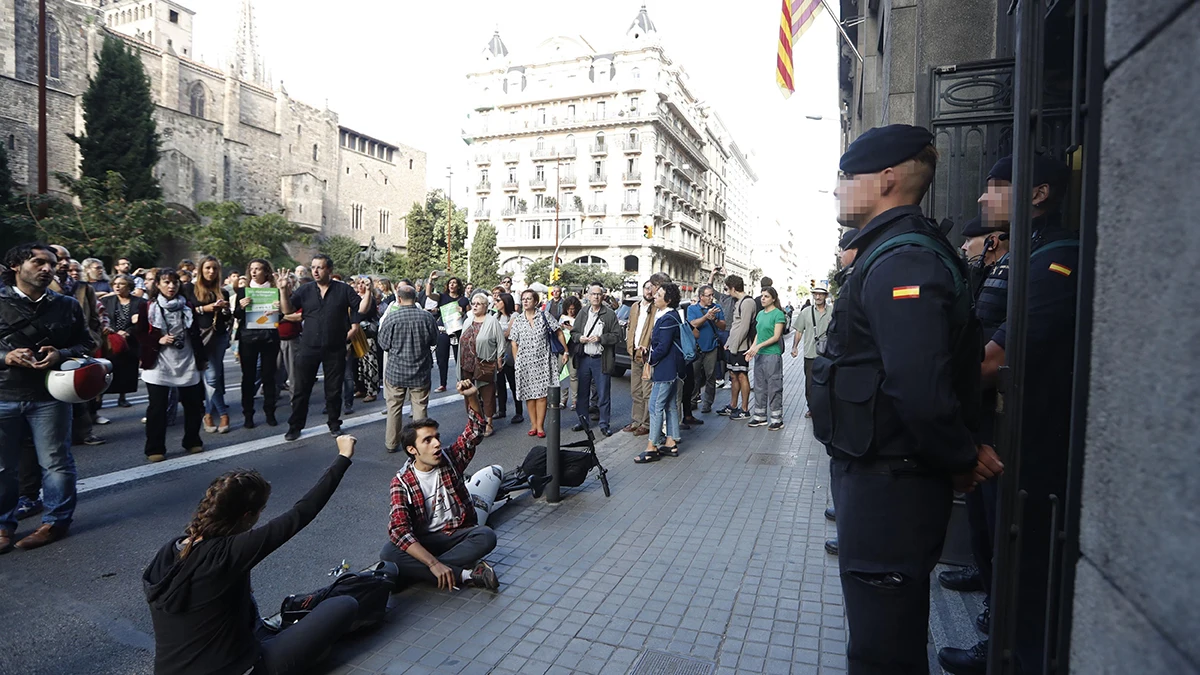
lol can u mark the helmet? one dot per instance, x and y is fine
(79, 380)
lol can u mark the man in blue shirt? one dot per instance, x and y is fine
(707, 319)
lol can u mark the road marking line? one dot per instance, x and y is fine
(187, 461)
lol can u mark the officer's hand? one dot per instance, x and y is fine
(965, 482)
(445, 575)
(989, 464)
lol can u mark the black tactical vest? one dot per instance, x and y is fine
(991, 303)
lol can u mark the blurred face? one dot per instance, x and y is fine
(767, 300)
(122, 288)
(258, 273)
(38, 271)
(556, 293)
(857, 195)
(242, 282)
(233, 279)
(149, 277)
(184, 276)
(660, 299)
(496, 296)
(123, 266)
(479, 305)
(320, 271)
(168, 287)
(996, 202)
(572, 311)
(452, 286)
(210, 272)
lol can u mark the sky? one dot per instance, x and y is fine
(396, 70)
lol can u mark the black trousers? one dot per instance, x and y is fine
(981, 518)
(333, 362)
(443, 356)
(251, 352)
(689, 390)
(506, 380)
(458, 551)
(891, 523)
(192, 399)
(298, 647)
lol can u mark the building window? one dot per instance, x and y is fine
(197, 100)
(410, 165)
(570, 140)
(541, 115)
(541, 143)
(385, 222)
(512, 202)
(633, 104)
(535, 229)
(633, 137)
(571, 112)
(599, 110)
(600, 140)
(636, 74)
(598, 228)
(356, 217)
(52, 41)
(12, 142)
(390, 154)
(540, 171)
(315, 152)
(539, 200)
(173, 16)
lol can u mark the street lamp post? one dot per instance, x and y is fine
(449, 213)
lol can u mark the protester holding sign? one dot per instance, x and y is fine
(256, 308)
(447, 333)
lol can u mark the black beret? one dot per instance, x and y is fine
(847, 237)
(883, 147)
(975, 227)
(1046, 171)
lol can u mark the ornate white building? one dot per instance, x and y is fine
(618, 142)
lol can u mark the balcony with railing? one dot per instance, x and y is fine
(537, 183)
(632, 177)
(597, 209)
(483, 186)
(567, 180)
(483, 214)
(508, 214)
(599, 148)
(542, 153)
(685, 219)
(512, 157)
(631, 207)
(568, 151)
(483, 160)
(598, 179)
(632, 147)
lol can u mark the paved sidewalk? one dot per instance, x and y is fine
(715, 556)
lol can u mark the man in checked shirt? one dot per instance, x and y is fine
(435, 536)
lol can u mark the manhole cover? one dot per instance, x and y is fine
(768, 459)
(664, 663)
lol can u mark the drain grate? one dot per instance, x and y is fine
(769, 459)
(654, 662)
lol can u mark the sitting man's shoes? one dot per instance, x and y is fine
(154, 459)
(92, 439)
(831, 546)
(971, 661)
(291, 435)
(964, 579)
(830, 514)
(6, 541)
(984, 621)
(484, 576)
(48, 533)
(271, 421)
(27, 507)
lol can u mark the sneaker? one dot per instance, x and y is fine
(103, 420)
(775, 426)
(734, 414)
(726, 411)
(484, 576)
(292, 435)
(348, 410)
(27, 507)
(704, 410)
(757, 423)
(335, 431)
(92, 439)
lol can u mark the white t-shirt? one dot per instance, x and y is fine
(437, 498)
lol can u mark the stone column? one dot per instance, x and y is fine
(168, 93)
(232, 114)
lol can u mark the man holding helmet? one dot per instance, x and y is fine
(39, 329)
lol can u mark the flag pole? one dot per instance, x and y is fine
(841, 29)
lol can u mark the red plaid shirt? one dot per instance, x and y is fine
(408, 502)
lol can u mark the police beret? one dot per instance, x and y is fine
(847, 237)
(975, 227)
(882, 147)
(1046, 170)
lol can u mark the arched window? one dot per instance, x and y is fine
(591, 261)
(636, 73)
(197, 100)
(631, 262)
(633, 137)
(570, 140)
(541, 143)
(52, 42)
(600, 139)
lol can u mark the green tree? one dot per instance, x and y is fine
(106, 223)
(345, 253)
(16, 223)
(120, 134)
(485, 257)
(395, 266)
(572, 275)
(421, 260)
(236, 238)
(456, 234)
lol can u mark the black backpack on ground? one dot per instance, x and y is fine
(575, 467)
(371, 587)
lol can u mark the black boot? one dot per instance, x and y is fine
(249, 421)
(831, 546)
(964, 579)
(271, 421)
(971, 661)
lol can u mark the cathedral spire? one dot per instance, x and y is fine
(247, 64)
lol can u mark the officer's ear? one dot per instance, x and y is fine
(1041, 193)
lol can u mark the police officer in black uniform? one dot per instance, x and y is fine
(895, 399)
(1046, 408)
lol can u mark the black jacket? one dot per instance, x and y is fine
(55, 320)
(203, 612)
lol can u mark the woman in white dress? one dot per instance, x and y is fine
(536, 368)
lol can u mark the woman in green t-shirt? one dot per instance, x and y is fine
(767, 357)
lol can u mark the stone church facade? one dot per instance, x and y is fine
(226, 135)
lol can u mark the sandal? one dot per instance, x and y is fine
(646, 457)
(532, 433)
(489, 430)
(668, 451)
(541, 434)
(370, 399)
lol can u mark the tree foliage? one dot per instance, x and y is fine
(118, 112)
(421, 260)
(456, 233)
(106, 223)
(485, 257)
(345, 254)
(16, 223)
(236, 238)
(572, 275)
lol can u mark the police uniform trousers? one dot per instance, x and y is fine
(892, 516)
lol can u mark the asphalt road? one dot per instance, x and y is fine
(77, 606)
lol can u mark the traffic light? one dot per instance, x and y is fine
(648, 231)
(554, 275)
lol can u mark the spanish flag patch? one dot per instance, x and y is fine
(905, 292)
(1061, 269)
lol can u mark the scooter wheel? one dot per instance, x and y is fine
(604, 484)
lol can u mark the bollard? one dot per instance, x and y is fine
(553, 436)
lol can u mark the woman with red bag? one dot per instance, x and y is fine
(123, 308)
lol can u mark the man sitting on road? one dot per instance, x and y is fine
(435, 536)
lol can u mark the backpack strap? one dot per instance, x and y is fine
(962, 293)
(1058, 243)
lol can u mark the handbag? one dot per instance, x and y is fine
(485, 370)
(822, 339)
(359, 344)
(556, 347)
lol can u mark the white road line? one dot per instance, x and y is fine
(187, 461)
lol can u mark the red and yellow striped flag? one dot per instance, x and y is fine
(798, 16)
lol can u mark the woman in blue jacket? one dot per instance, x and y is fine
(666, 366)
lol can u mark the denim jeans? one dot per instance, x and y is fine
(50, 425)
(214, 376)
(591, 372)
(664, 402)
